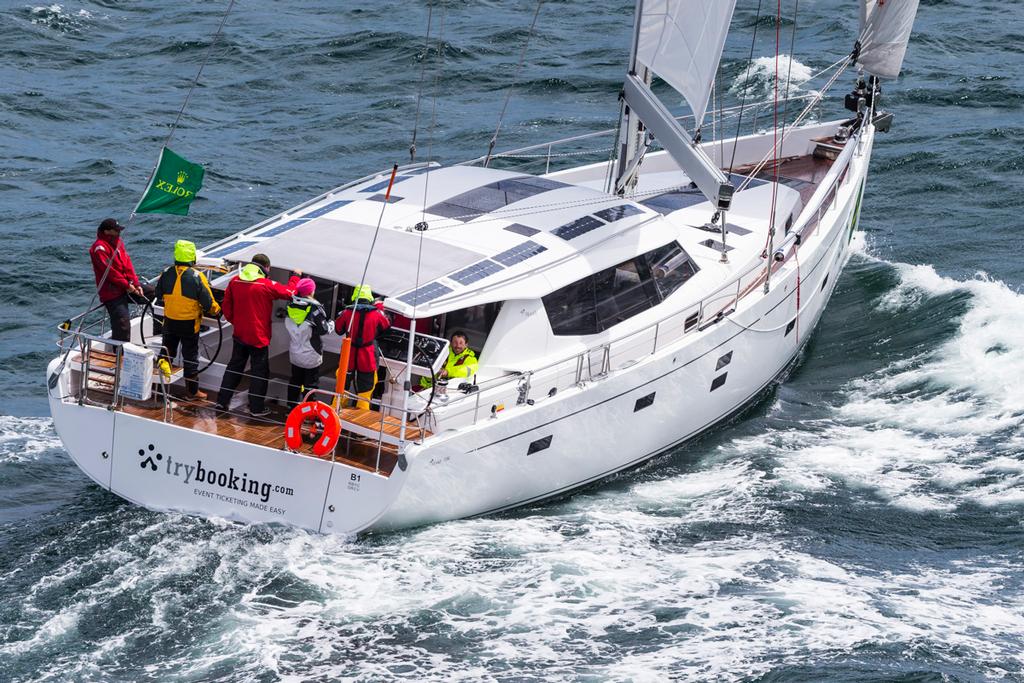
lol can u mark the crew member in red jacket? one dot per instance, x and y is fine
(115, 278)
(248, 305)
(370, 321)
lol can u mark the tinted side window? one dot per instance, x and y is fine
(571, 309)
(670, 267)
(475, 321)
(622, 292)
(615, 294)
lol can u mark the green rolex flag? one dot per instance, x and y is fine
(173, 187)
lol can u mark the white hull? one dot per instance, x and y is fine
(593, 429)
(596, 431)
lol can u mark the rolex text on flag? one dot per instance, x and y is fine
(173, 187)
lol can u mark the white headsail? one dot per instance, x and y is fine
(682, 41)
(885, 27)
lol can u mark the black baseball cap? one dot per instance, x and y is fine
(111, 224)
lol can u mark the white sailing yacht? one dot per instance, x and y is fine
(618, 308)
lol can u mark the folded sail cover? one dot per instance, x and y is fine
(682, 41)
(884, 31)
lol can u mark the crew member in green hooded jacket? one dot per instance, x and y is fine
(186, 298)
(248, 305)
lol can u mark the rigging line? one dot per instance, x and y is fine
(515, 79)
(188, 95)
(789, 71)
(426, 176)
(803, 114)
(775, 155)
(170, 134)
(419, 88)
(746, 88)
(373, 242)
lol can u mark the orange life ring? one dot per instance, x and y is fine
(313, 410)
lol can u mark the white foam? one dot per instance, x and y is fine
(24, 439)
(762, 77)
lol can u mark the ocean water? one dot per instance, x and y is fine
(863, 522)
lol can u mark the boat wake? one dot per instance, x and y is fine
(831, 538)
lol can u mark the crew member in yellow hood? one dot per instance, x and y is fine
(187, 297)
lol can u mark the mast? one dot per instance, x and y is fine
(681, 41)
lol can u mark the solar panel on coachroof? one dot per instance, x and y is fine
(230, 249)
(477, 271)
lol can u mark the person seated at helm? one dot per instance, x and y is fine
(363, 320)
(187, 297)
(461, 363)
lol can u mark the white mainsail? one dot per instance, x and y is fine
(682, 41)
(885, 27)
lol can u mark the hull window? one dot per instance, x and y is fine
(723, 361)
(539, 445)
(643, 402)
(718, 381)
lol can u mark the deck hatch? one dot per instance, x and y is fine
(476, 272)
(491, 197)
(425, 293)
(718, 381)
(327, 208)
(580, 226)
(617, 213)
(716, 245)
(520, 229)
(284, 227)
(673, 201)
(539, 445)
(381, 197)
(519, 253)
(229, 249)
(383, 184)
(644, 402)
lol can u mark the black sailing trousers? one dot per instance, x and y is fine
(258, 359)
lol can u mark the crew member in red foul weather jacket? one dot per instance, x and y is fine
(248, 305)
(370, 320)
(115, 278)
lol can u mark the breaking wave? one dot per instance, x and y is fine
(760, 82)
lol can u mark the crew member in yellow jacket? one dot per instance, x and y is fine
(462, 362)
(187, 297)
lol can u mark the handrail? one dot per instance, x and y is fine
(757, 107)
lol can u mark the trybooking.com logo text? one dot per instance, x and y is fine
(226, 480)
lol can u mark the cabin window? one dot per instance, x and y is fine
(622, 292)
(475, 321)
(670, 267)
(572, 310)
(615, 294)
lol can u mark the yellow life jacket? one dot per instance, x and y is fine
(187, 296)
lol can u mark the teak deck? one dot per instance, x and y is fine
(201, 416)
(361, 429)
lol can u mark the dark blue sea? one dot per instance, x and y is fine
(862, 522)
